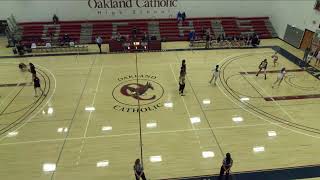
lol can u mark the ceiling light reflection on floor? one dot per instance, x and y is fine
(151, 125)
(12, 134)
(50, 110)
(155, 159)
(90, 108)
(48, 167)
(106, 128)
(207, 154)
(168, 104)
(60, 130)
(272, 134)
(206, 101)
(258, 149)
(103, 163)
(195, 120)
(244, 99)
(237, 119)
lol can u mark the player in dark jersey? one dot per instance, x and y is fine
(263, 67)
(182, 85)
(183, 69)
(33, 70)
(36, 85)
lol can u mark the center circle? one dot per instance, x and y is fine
(131, 92)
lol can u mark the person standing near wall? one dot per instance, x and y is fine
(179, 18)
(99, 42)
(306, 52)
(55, 19)
(183, 16)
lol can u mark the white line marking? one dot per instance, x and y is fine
(93, 101)
(133, 134)
(186, 107)
(255, 81)
(5, 98)
(89, 117)
(298, 132)
(40, 110)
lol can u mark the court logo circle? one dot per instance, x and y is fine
(131, 91)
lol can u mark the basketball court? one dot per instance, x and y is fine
(91, 125)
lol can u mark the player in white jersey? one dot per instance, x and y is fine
(275, 59)
(215, 74)
(263, 67)
(280, 77)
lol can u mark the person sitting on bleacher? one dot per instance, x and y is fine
(208, 38)
(134, 33)
(117, 37)
(33, 45)
(65, 39)
(55, 19)
(203, 33)
(19, 48)
(192, 37)
(241, 40)
(255, 40)
(248, 40)
(145, 37)
(48, 45)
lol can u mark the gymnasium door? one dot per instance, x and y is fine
(307, 39)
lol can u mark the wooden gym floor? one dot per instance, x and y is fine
(89, 125)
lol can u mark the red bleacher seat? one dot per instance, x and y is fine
(168, 28)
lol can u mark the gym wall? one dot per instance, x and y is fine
(299, 13)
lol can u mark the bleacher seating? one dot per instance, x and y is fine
(84, 32)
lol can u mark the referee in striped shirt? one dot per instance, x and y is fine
(226, 166)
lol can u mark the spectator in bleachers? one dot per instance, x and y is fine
(145, 37)
(255, 40)
(55, 19)
(248, 40)
(179, 16)
(203, 33)
(183, 16)
(208, 38)
(51, 35)
(19, 48)
(65, 39)
(33, 45)
(192, 37)
(116, 37)
(99, 42)
(48, 45)
(134, 33)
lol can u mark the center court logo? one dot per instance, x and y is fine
(133, 90)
